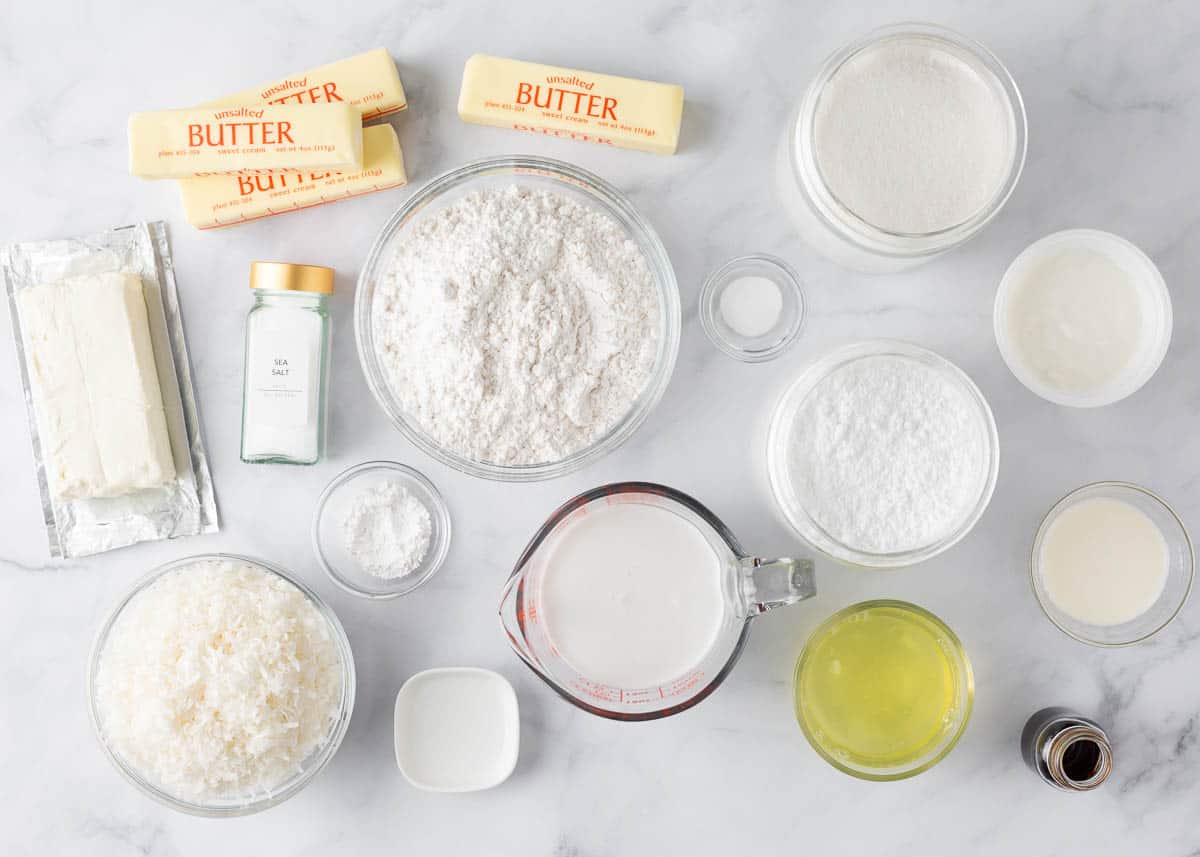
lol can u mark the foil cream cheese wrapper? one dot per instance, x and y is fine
(183, 506)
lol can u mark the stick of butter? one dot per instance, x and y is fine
(367, 81)
(268, 138)
(95, 387)
(578, 105)
(217, 201)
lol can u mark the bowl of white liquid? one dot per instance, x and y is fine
(1112, 564)
(906, 144)
(1082, 318)
(633, 601)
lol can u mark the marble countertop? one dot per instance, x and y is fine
(1113, 101)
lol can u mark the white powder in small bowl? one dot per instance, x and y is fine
(387, 530)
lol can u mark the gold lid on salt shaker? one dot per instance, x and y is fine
(287, 277)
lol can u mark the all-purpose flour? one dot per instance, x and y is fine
(517, 325)
(888, 455)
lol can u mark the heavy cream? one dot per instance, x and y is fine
(632, 595)
(1103, 561)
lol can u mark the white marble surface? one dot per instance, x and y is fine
(1113, 96)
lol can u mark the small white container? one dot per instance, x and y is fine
(1154, 301)
(458, 729)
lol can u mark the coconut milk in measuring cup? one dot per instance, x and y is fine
(633, 601)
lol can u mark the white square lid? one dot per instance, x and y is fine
(457, 729)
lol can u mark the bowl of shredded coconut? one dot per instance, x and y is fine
(221, 685)
(882, 454)
(517, 318)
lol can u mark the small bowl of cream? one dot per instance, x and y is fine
(1112, 564)
(1082, 318)
(752, 307)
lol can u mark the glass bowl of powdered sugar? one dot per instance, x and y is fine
(883, 454)
(381, 529)
(517, 318)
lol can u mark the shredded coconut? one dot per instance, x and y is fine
(218, 680)
(887, 454)
(516, 326)
(387, 530)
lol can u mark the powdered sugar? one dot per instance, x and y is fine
(888, 455)
(517, 326)
(387, 530)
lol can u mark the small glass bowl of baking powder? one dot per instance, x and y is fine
(343, 498)
(752, 307)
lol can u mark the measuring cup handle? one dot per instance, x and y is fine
(770, 583)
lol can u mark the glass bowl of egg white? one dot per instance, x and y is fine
(1112, 564)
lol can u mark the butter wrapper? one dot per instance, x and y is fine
(368, 81)
(185, 503)
(218, 201)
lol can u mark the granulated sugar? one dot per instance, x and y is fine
(516, 326)
(888, 455)
(912, 137)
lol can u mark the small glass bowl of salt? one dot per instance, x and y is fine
(752, 307)
(381, 529)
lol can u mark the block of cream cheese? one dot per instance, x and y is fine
(577, 105)
(218, 201)
(251, 139)
(99, 408)
(367, 81)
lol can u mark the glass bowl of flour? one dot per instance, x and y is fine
(517, 318)
(882, 454)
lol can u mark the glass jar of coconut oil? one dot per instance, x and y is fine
(286, 365)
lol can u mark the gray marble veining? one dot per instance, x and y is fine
(1111, 92)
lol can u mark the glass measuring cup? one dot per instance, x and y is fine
(749, 587)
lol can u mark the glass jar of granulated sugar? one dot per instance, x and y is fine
(287, 357)
(907, 143)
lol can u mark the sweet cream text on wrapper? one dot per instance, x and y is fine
(217, 201)
(269, 138)
(578, 105)
(368, 82)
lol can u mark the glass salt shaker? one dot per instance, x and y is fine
(286, 364)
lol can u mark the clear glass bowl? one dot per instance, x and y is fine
(964, 691)
(778, 440)
(313, 765)
(772, 343)
(331, 510)
(836, 231)
(1179, 573)
(547, 174)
